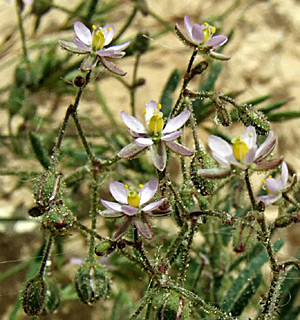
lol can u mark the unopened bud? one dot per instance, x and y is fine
(79, 81)
(34, 296)
(286, 220)
(223, 117)
(202, 160)
(199, 68)
(174, 307)
(92, 282)
(48, 188)
(53, 297)
(249, 116)
(105, 248)
(58, 220)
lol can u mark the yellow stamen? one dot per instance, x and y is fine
(159, 106)
(156, 122)
(133, 198)
(98, 39)
(250, 134)
(144, 111)
(126, 186)
(141, 186)
(109, 28)
(239, 149)
(94, 27)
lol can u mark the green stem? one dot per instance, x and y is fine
(186, 80)
(186, 256)
(87, 230)
(22, 32)
(133, 86)
(82, 138)
(94, 214)
(249, 189)
(46, 255)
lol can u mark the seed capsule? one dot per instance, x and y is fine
(174, 307)
(249, 116)
(92, 282)
(34, 296)
(53, 297)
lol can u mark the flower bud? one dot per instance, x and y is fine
(223, 117)
(174, 307)
(202, 160)
(58, 220)
(242, 237)
(141, 43)
(53, 297)
(36, 211)
(249, 116)
(92, 282)
(34, 296)
(79, 81)
(286, 220)
(48, 188)
(105, 248)
(199, 68)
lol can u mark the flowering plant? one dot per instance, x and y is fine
(156, 136)
(94, 46)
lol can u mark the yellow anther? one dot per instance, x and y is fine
(109, 28)
(141, 186)
(270, 176)
(205, 24)
(94, 27)
(213, 30)
(250, 134)
(264, 181)
(159, 106)
(126, 186)
(144, 111)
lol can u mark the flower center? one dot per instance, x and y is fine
(208, 31)
(156, 122)
(133, 198)
(239, 149)
(98, 38)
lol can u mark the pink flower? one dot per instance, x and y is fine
(275, 187)
(132, 206)
(243, 153)
(202, 36)
(94, 46)
(156, 136)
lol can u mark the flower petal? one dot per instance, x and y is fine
(214, 173)
(197, 33)
(123, 228)
(153, 205)
(129, 210)
(272, 185)
(179, 149)
(176, 122)
(109, 31)
(266, 147)
(284, 176)
(219, 146)
(158, 155)
(269, 199)
(130, 151)
(72, 47)
(148, 191)
(81, 45)
(112, 205)
(249, 137)
(133, 123)
(219, 56)
(143, 226)
(216, 41)
(250, 155)
(171, 136)
(111, 214)
(89, 62)
(267, 165)
(143, 142)
(150, 107)
(188, 26)
(118, 191)
(112, 67)
(83, 33)
(120, 47)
